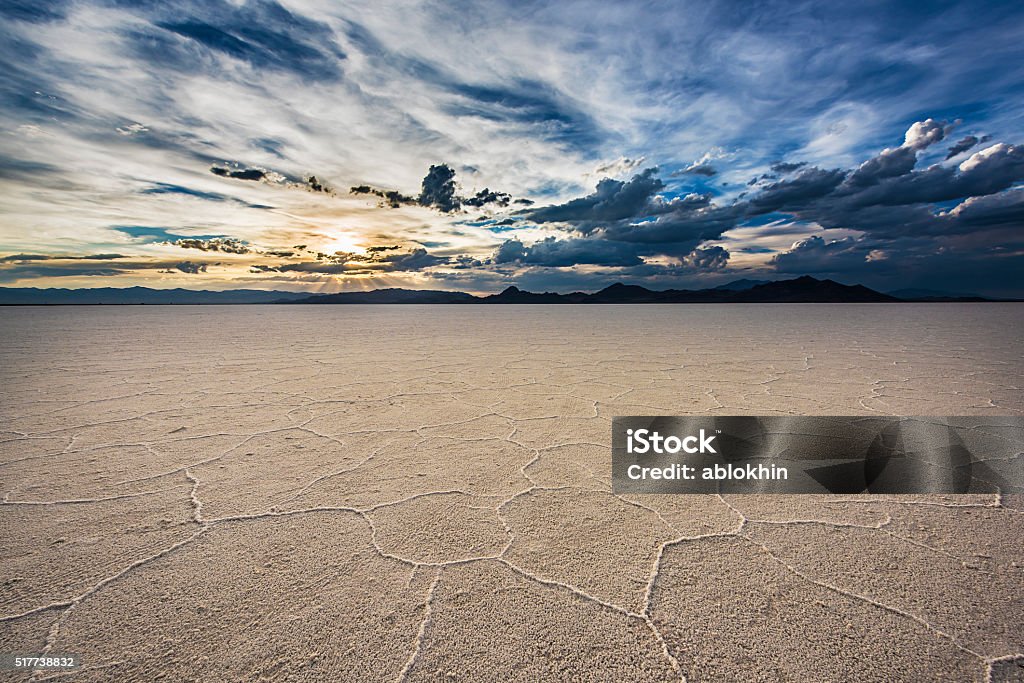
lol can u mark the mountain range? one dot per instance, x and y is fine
(33, 296)
(804, 289)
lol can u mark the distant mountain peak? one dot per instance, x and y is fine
(623, 287)
(741, 284)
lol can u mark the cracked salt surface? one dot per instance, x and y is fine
(421, 493)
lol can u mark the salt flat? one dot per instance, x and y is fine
(353, 493)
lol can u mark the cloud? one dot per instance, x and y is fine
(545, 111)
(707, 258)
(613, 200)
(239, 174)
(925, 133)
(438, 189)
(132, 129)
(787, 167)
(706, 170)
(34, 266)
(57, 257)
(261, 35)
(171, 188)
(886, 198)
(962, 145)
(316, 186)
(148, 234)
(817, 255)
(553, 252)
(228, 245)
(385, 259)
(191, 267)
(487, 196)
(620, 166)
(1003, 210)
(888, 164)
(33, 272)
(25, 10)
(392, 198)
(525, 105)
(794, 193)
(414, 259)
(900, 160)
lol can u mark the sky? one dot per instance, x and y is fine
(556, 146)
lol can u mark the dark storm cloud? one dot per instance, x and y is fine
(316, 186)
(255, 174)
(887, 196)
(889, 265)
(899, 208)
(816, 255)
(901, 160)
(962, 146)
(558, 253)
(987, 172)
(965, 144)
(554, 253)
(890, 163)
(1004, 210)
(438, 189)
(465, 263)
(415, 259)
(392, 198)
(239, 174)
(613, 200)
(487, 196)
(807, 186)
